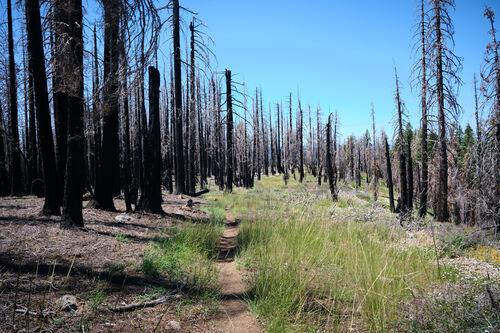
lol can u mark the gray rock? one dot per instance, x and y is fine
(123, 218)
(67, 303)
(173, 326)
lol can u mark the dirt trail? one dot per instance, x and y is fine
(234, 315)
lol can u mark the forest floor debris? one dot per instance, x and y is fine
(99, 268)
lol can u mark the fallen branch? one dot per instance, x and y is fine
(141, 305)
(197, 194)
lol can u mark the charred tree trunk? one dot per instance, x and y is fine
(36, 55)
(403, 189)
(126, 136)
(33, 153)
(278, 142)
(442, 213)
(190, 117)
(4, 181)
(265, 150)
(409, 173)
(330, 170)
(271, 143)
(318, 147)
(229, 134)
(358, 168)
(106, 175)
(61, 81)
(179, 151)
(423, 143)
(389, 176)
(301, 145)
(73, 180)
(96, 113)
(151, 195)
(16, 177)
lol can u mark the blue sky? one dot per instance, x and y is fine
(339, 54)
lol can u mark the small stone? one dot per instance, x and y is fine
(123, 218)
(173, 326)
(67, 303)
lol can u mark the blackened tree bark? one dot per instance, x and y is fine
(126, 133)
(278, 142)
(423, 141)
(16, 177)
(96, 113)
(409, 172)
(190, 117)
(265, 150)
(271, 142)
(4, 182)
(61, 79)
(179, 152)
(329, 167)
(403, 189)
(46, 143)
(389, 175)
(442, 213)
(301, 144)
(73, 180)
(151, 196)
(202, 158)
(106, 175)
(318, 146)
(229, 134)
(358, 166)
(33, 146)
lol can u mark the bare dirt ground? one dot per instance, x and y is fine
(99, 266)
(233, 315)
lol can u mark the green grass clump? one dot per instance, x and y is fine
(454, 244)
(121, 237)
(315, 265)
(187, 252)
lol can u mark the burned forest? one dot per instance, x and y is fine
(295, 176)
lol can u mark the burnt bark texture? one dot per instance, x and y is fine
(151, 196)
(36, 55)
(73, 180)
(16, 177)
(229, 134)
(106, 174)
(179, 151)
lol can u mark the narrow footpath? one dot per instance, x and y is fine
(233, 315)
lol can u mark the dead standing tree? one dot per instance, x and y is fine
(16, 179)
(420, 70)
(443, 74)
(332, 181)
(490, 159)
(229, 134)
(106, 174)
(179, 138)
(389, 174)
(37, 68)
(73, 180)
(151, 197)
(403, 189)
